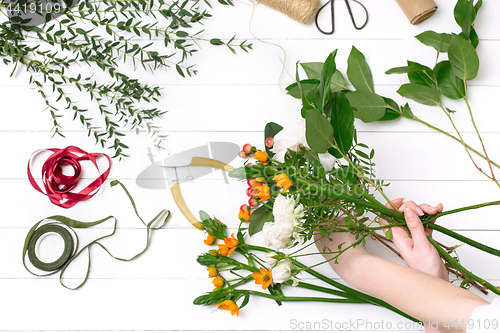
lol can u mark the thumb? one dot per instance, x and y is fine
(415, 226)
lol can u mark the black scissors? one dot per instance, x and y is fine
(333, 16)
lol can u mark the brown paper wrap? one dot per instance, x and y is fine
(302, 11)
(417, 11)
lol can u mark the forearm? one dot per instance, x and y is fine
(418, 294)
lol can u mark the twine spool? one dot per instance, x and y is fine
(302, 11)
(417, 11)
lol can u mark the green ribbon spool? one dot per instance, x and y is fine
(69, 246)
(65, 226)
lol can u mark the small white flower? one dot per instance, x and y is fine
(285, 229)
(271, 258)
(327, 160)
(293, 137)
(282, 271)
(277, 234)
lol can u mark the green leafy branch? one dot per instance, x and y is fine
(121, 100)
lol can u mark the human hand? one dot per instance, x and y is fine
(415, 248)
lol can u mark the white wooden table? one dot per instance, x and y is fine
(231, 99)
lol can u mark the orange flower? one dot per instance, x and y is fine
(212, 272)
(265, 277)
(229, 305)
(218, 282)
(261, 156)
(230, 244)
(210, 240)
(244, 216)
(283, 181)
(262, 192)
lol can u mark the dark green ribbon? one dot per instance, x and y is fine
(65, 226)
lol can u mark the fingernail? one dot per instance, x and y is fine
(409, 212)
(419, 211)
(402, 199)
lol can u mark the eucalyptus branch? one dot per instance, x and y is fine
(123, 22)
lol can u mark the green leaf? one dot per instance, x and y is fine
(419, 93)
(405, 69)
(463, 58)
(465, 15)
(181, 34)
(338, 82)
(309, 102)
(406, 111)
(388, 233)
(474, 38)
(342, 121)
(425, 77)
(359, 72)
(315, 162)
(307, 85)
(327, 72)
(216, 41)
(319, 132)
(271, 130)
(448, 83)
(259, 216)
(313, 72)
(392, 110)
(368, 107)
(439, 42)
(313, 69)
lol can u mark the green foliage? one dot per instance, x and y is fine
(319, 131)
(260, 216)
(420, 93)
(213, 226)
(369, 107)
(463, 58)
(270, 131)
(97, 36)
(358, 71)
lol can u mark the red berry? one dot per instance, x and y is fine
(253, 202)
(270, 142)
(247, 148)
(244, 207)
(250, 192)
(242, 154)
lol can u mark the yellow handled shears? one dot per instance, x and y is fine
(212, 155)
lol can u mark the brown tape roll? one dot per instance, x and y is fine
(302, 11)
(417, 11)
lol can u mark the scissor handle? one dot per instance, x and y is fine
(203, 161)
(176, 193)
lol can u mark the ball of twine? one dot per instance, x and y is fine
(302, 11)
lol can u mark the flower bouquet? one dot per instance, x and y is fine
(314, 178)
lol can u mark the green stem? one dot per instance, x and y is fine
(304, 299)
(379, 207)
(454, 138)
(479, 137)
(462, 269)
(462, 209)
(324, 290)
(464, 239)
(352, 292)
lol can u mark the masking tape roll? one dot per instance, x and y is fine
(417, 11)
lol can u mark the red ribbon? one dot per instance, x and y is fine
(57, 185)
